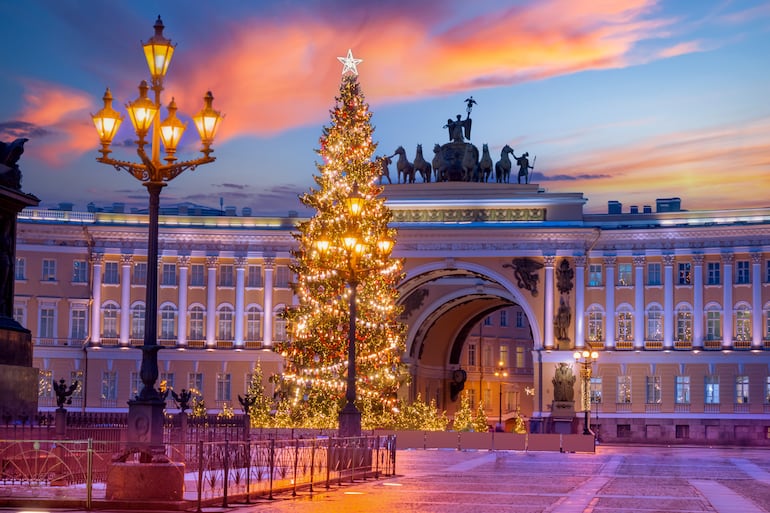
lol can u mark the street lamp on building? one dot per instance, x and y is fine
(501, 372)
(352, 253)
(586, 359)
(147, 408)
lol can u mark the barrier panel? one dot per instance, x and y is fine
(477, 441)
(442, 440)
(578, 443)
(510, 442)
(544, 442)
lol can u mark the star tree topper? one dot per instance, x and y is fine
(349, 63)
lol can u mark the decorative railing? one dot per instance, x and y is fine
(624, 345)
(712, 344)
(653, 345)
(683, 344)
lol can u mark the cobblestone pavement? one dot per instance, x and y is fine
(617, 479)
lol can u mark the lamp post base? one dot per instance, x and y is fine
(145, 428)
(350, 421)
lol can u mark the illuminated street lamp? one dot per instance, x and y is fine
(147, 408)
(586, 359)
(352, 253)
(501, 372)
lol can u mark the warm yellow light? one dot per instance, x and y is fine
(171, 129)
(142, 111)
(594, 355)
(355, 202)
(107, 120)
(350, 240)
(576, 355)
(322, 245)
(207, 121)
(586, 354)
(384, 245)
(158, 51)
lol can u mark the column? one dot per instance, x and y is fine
(580, 306)
(240, 287)
(267, 307)
(211, 302)
(548, 313)
(727, 300)
(125, 299)
(639, 262)
(668, 298)
(697, 303)
(96, 293)
(609, 302)
(183, 262)
(756, 300)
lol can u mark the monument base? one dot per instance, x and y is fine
(145, 482)
(563, 416)
(18, 379)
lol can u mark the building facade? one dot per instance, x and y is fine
(502, 281)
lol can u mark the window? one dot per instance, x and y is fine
(624, 389)
(741, 389)
(685, 274)
(167, 380)
(20, 272)
(711, 393)
(519, 319)
(111, 275)
(196, 323)
(684, 324)
(504, 318)
(110, 321)
(713, 324)
(488, 320)
(195, 382)
(504, 356)
(168, 275)
(20, 314)
(486, 355)
(653, 387)
(767, 390)
(743, 323)
(45, 384)
(168, 322)
(742, 273)
(682, 390)
(625, 326)
(197, 275)
(137, 321)
(226, 275)
(49, 270)
(253, 324)
(471, 355)
(280, 329)
(47, 328)
(140, 274)
(255, 276)
(654, 323)
(136, 385)
(281, 277)
(78, 329)
(225, 323)
(520, 357)
(596, 389)
(594, 275)
(653, 274)
(625, 276)
(79, 271)
(77, 394)
(487, 398)
(713, 273)
(767, 271)
(223, 387)
(109, 390)
(471, 398)
(595, 324)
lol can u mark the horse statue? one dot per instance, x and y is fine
(403, 166)
(503, 166)
(485, 165)
(438, 173)
(384, 162)
(422, 165)
(470, 162)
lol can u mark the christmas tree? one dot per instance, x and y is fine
(344, 271)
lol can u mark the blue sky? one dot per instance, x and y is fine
(630, 100)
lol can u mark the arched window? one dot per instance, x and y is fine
(225, 323)
(168, 322)
(743, 322)
(654, 323)
(197, 316)
(713, 322)
(253, 324)
(684, 323)
(595, 332)
(625, 324)
(110, 321)
(137, 321)
(279, 324)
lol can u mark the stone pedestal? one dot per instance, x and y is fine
(145, 426)
(563, 416)
(145, 482)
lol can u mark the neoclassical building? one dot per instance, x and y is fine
(503, 282)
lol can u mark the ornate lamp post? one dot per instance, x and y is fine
(501, 372)
(586, 359)
(146, 410)
(356, 250)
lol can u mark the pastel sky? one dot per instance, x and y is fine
(630, 100)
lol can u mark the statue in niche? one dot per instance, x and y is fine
(562, 321)
(564, 276)
(525, 270)
(563, 383)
